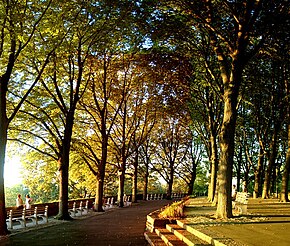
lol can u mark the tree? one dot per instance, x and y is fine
(172, 147)
(285, 179)
(146, 154)
(19, 24)
(102, 105)
(237, 31)
(187, 171)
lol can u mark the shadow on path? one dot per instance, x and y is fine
(120, 226)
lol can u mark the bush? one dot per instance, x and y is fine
(175, 210)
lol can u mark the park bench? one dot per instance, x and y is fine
(40, 212)
(74, 210)
(22, 215)
(241, 202)
(86, 208)
(154, 197)
(109, 203)
(126, 200)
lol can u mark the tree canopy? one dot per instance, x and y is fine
(113, 94)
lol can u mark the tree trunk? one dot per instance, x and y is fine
(240, 161)
(4, 122)
(258, 173)
(285, 177)
(170, 183)
(3, 141)
(134, 188)
(169, 190)
(271, 163)
(121, 187)
(214, 168)
(135, 179)
(227, 143)
(145, 186)
(190, 188)
(99, 195)
(63, 213)
(102, 171)
(224, 205)
(190, 184)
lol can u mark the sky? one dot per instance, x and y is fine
(12, 169)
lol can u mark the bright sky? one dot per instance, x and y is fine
(12, 171)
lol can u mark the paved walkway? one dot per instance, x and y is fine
(116, 227)
(268, 223)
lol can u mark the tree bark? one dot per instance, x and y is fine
(63, 213)
(258, 174)
(192, 179)
(214, 169)
(145, 186)
(285, 177)
(135, 179)
(102, 170)
(4, 122)
(121, 187)
(170, 182)
(271, 164)
(99, 195)
(224, 206)
(227, 137)
(3, 141)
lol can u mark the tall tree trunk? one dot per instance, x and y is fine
(214, 168)
(100, 190)
(192, 180)
(240, 161)
(285, 177)
(134, 187)
(227, 143)
(190, 188)
(169, 190)
(3, 141)
(170, 182)
(63, 213)
(135, 179)
(271, 164)
(99, 195)
(145, 186)
(121, 187)
(4, 122)
(224, 205)
(258, 175)
(102, 171)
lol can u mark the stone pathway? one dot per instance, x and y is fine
(266, 223)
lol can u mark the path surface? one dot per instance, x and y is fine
(120, 226)
(266, 223)
(270, 225)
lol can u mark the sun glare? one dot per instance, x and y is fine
(12, 174)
